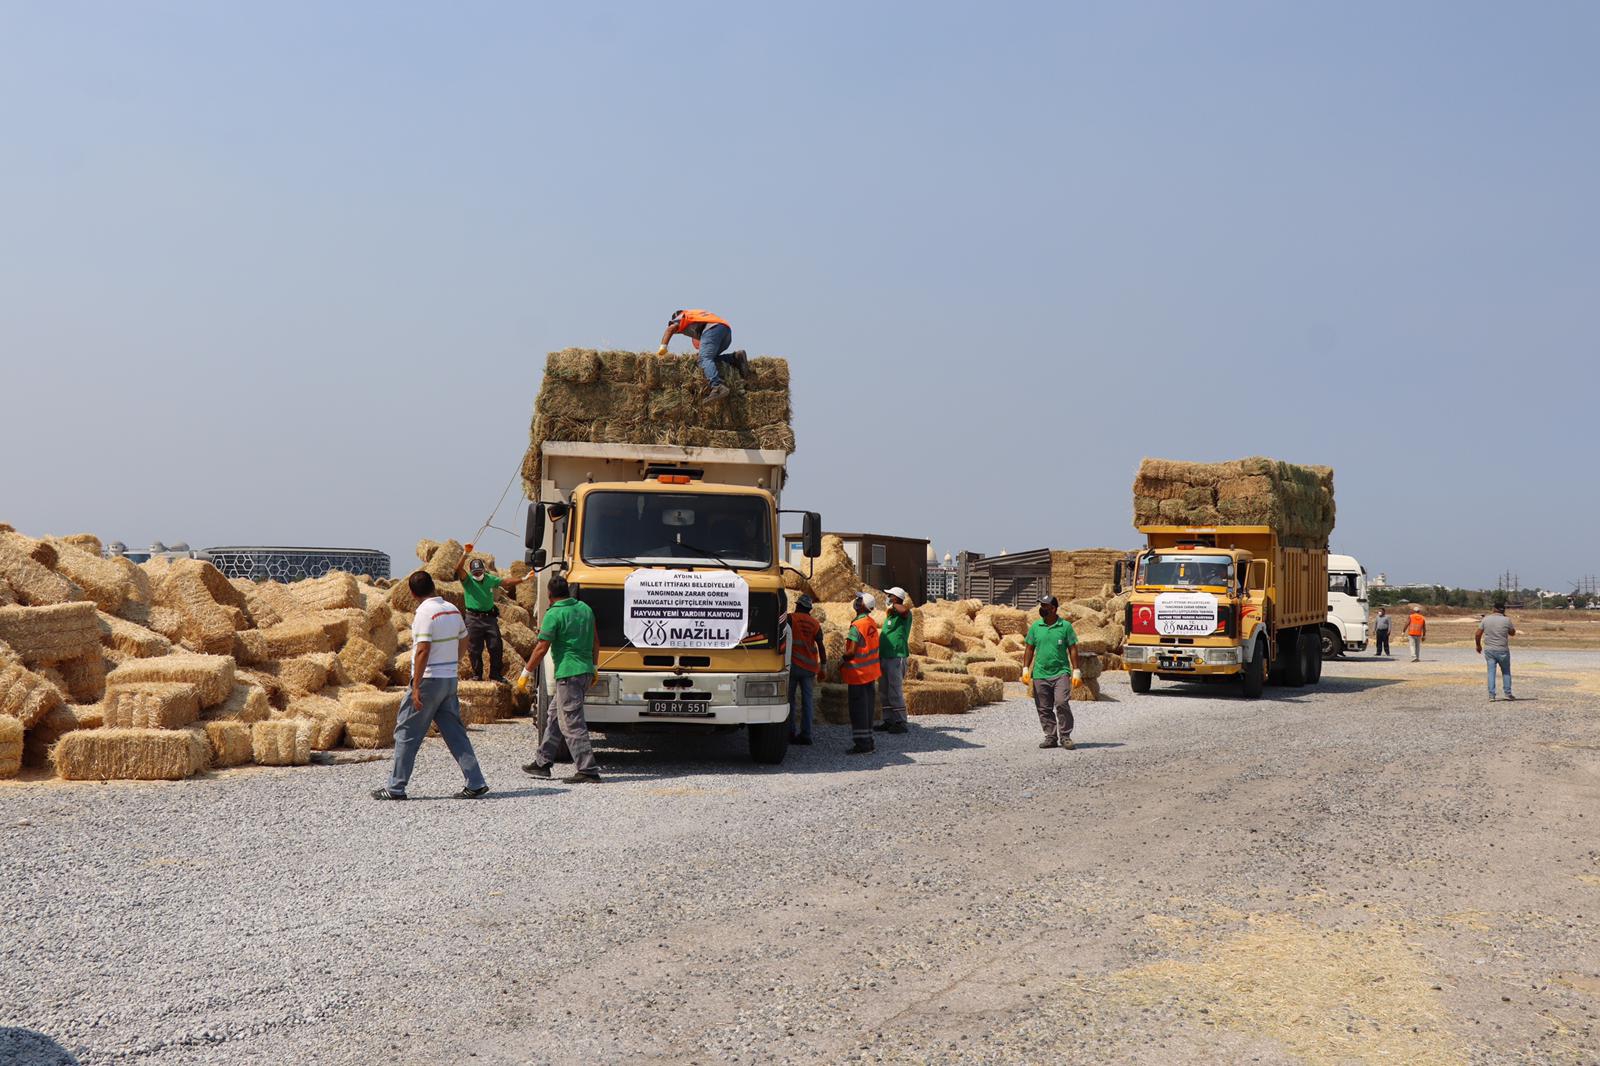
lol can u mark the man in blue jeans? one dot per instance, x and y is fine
(436, 634)
(1493, 639)
(710, 335)
(807, 655)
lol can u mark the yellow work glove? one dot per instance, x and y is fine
(1077, 678)
(595, 680)
(661, 350)
(467, 548)
(524, 679)
(1027, 677)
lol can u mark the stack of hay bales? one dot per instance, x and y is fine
(613, 397)
(116, 670)
(1081, 574)
(1297, 501)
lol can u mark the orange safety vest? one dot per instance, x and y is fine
(695, 317)
(803, 630)
(1418, 625)
(861, 658)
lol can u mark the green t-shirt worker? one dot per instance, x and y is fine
(483, 621)
(568, 632)
(1050, 667)
(894, 652)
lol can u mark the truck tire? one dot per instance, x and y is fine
(1140, 680)
(1254, 675)
(769, 742)
(1332, 643)
(1293, 648)
(541, 710)
(1313, 668)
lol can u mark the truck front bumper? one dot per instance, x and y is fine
(691, 699)
(1181, 660)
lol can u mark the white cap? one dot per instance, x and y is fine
(868, 600)
(898, 593)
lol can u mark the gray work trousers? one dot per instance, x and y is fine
(567, 726)
(1416, 649)
(892, 690)
(1050, 696)
(441, 707)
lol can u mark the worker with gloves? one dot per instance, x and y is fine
(1050, 668)
(860, 670)
(894, 653)
(807, 654)
(569, 631)
(483, 620)
(710, 336)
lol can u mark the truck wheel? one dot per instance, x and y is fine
(1294, 662)
(1140, 680)
(1254, 676)
(769, 742)
(1332, 643)
(1313, 668)
(541, 710)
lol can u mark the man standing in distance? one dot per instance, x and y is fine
(1493, 639)
(1417, 630)
(1050, 667)
(894, 653)
(436, 648)
(861, 670)
(483, 620)
(1380, 632)
(569, 632)
(710, 336)
(807, 653)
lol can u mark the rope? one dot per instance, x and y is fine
(488, 523)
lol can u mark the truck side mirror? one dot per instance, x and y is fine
(811, 535)
(535, 559)
(1116, 579)
(533, 531)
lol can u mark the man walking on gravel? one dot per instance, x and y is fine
(1380, 632)
(436, 647)
(894, 652)
(568, 631)
(1049, 668)
(860, 670)
(807, 653)
(1493, 639)
(1417, 630)
(483, 620)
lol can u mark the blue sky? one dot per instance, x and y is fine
(286, 273)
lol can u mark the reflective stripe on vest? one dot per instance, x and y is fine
(803, 630)
(682, 320)
(861, 659)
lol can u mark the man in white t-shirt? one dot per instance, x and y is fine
(436, 634)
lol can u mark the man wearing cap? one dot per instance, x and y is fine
(1050, 667)
(711, 335)
(1417, 630)
(807, 654)
(860, 670)
(1493, 639)
(483, 621)
(894, 652)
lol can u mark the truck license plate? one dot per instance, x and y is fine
(1170, 662)
(674, 709)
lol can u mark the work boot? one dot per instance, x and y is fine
(1066, 743)
(582, 778)
(881, 727)
(859, 748)
(717, 394)
(533, 769)
(741, 362)
(1510, 697)
(896, 728)
(1049, 742)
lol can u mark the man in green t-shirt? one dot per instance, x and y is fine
(894, 652)
(483, 621)
(568, 632)
(1050, 667)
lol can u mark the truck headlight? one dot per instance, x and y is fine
(1222, 656)
(761, 690)
(1134, 653)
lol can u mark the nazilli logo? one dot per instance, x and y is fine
(655, 634)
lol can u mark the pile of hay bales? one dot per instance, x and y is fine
(1297, 501)
(116, 670)
(611, 397)
(1084, 573)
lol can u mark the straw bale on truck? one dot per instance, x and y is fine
(1296, 501)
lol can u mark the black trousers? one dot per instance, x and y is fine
(861, 711)
(1382, 636)
(483, 631)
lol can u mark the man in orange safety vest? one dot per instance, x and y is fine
(710, 335)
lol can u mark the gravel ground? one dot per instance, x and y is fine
(1383, 869)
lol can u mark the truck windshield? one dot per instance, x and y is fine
(1345, 583)
(629, 528)
(1186, 569)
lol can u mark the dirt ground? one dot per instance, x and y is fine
(1454, 626)
(1385, 869)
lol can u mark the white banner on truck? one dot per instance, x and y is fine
(685, 608)
(1186, 614)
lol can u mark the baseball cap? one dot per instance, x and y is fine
(897, 592)
(1049, 600)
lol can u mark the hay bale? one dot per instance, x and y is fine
(248, 703)
(38, 741)
(211, 675)
(444, 560)
(1086, 692)
(191, 588)
(150, 705)
(928, 697)
(939, 631)
(1090, 665)
(277, 693)
(287, 640)
(11, 741)
(362, 661)
(1297, 501)
(85, 541)
(51, 634)
(229, 742)
(939, 652)
(833, 575)
(130, 755)
(84, 677)
(282, 742)
(32, 582)
(167, 622)
(24, 694)
(990, 690)
(102, 580)
(1002, 669)
(332, 591)
(327, 716)
(833, 703)
(1004, 620)
(483, 702)
(370, 717)
(133, 640)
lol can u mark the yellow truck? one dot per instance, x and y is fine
(675, 549)
(1219, 603)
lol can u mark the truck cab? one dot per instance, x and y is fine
(676, 551)
(1346, 627)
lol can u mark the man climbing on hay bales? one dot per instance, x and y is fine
(568, 629)
(807, 654)
(894, 653)
(860, 671)
(1051, 646)
(710, 336)
(436, 640)
(483, 620)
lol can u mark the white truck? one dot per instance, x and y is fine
(1346, 627)
(676, 550)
